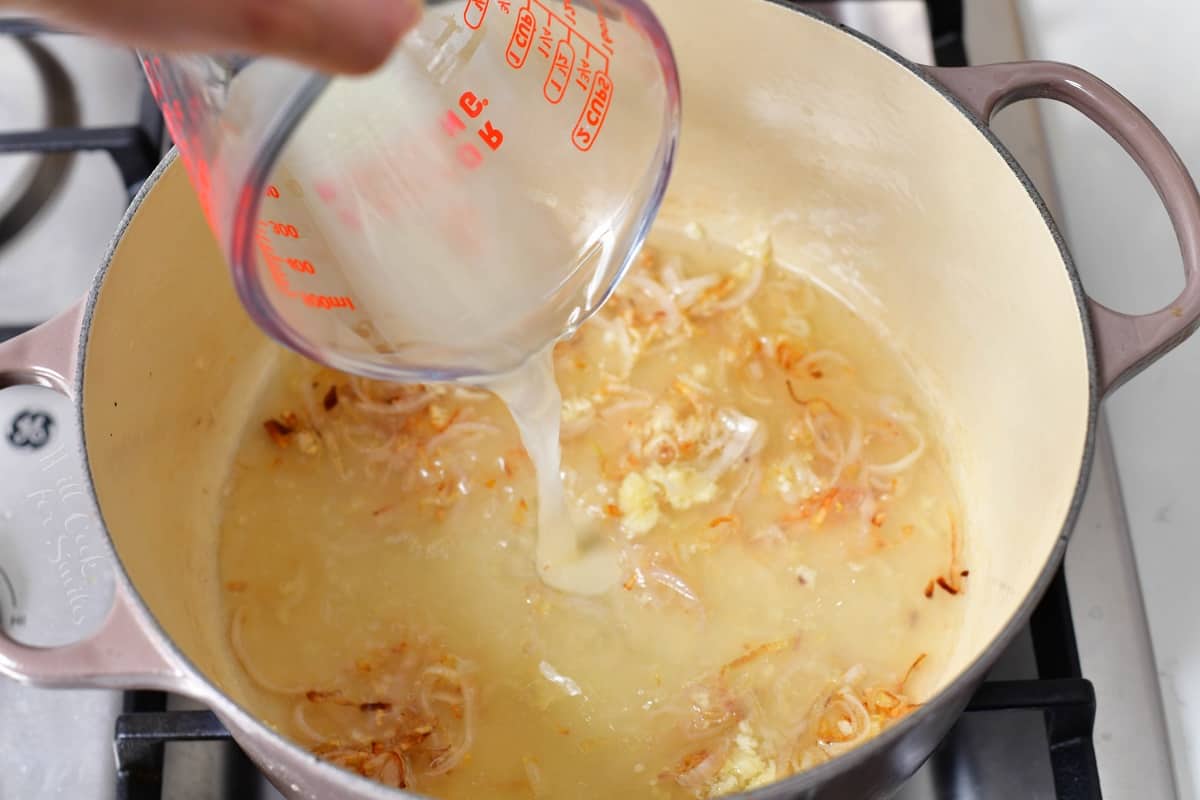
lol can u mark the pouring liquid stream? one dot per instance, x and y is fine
(571, 556)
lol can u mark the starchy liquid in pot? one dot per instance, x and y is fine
(570, 554)
(765, 471)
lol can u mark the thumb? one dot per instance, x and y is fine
(333, 35)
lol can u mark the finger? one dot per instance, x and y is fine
(334, 35)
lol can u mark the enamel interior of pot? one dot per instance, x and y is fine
(867, 178)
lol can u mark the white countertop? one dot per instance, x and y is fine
(1126, 253)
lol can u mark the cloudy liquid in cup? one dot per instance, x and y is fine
(454, 227)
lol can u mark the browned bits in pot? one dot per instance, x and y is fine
(236, 586)
(786, 355)
(816, 508)
(952, 580)
(911, 669)
(520, 512)
(757, 652)
(331, 399)
(377, 705)
(945, 584)
(929, 589)
(792, 391)
(278, 431)
(378, 763)
(695, 769)
(315, 696)
(423, 728)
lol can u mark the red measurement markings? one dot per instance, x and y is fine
(605, 37)
(452, 124)
(327, 302)
(560, 72)
(474, 13)
(522, 39)
(284, 230)
(583, 74)
(545, 41)
(275, 264)
(476, 10)
(551, 28)
(272, 259)
(594, 113)
(574, 59)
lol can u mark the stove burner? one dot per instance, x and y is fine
(36, 94)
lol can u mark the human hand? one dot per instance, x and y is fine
(333, 35)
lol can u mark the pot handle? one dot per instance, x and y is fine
(45, 355)
(1125, 343)
(122, 653)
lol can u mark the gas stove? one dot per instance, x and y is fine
(1074, 706)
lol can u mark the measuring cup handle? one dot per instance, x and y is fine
(125, 652)
(1125, 344)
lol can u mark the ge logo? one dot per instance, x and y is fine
(31, 429)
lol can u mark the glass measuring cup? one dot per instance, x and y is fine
(450, 214)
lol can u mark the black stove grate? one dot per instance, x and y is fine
(135, 149)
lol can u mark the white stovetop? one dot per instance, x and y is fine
(58, 744)
(51, 262)
(1123, 245)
